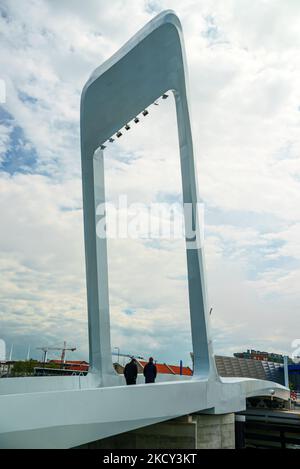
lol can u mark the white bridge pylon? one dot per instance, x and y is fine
(64, 412)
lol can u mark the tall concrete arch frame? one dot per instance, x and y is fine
(150, 64)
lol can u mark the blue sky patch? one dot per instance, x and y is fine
(20, 157)
(129, 311)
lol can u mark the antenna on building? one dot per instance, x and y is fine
(28, 353)
(11, 352)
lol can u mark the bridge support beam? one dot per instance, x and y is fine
(187, 432)
(215, 431)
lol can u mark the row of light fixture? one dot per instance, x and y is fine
(136, 121)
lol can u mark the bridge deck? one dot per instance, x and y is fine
(70, 417)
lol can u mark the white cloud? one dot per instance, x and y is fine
(244, 70)
(41, 262)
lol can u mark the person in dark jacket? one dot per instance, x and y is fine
(131, 372)
(150, 371)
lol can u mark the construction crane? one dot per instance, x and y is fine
(62, 349)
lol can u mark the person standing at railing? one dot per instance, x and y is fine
(131, 372)
(150, 371)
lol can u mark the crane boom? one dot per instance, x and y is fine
(62, 349)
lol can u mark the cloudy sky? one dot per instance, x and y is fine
(244, 70)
